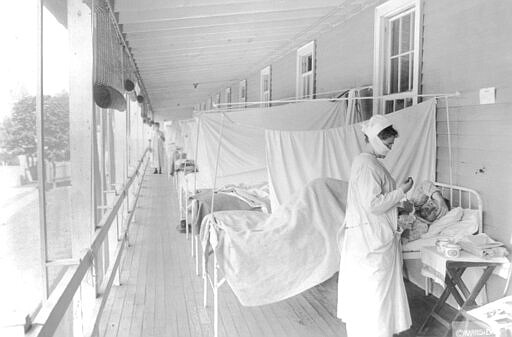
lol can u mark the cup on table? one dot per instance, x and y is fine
(452, 250)
(441, 243)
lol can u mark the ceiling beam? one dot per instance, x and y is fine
(197, 54)
(266, 19)
(194, 70)
(226, 9)
(232, 37)
(168, 67)
(121, 5)
(193, 43)
(199, 47)
(233, 30)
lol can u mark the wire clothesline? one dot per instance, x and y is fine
(301, 100)
(225, 116)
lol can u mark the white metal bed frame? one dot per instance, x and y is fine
(181, 181)
(458, 197)
(215, 283)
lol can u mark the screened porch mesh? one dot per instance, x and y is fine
(109, 51)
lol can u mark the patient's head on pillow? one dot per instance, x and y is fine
(432, 210)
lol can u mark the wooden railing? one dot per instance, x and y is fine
(50, 315)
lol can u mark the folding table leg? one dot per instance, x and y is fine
(434, 312)
(450, 283)
(476, 290)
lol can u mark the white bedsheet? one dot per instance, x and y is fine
(268, 258)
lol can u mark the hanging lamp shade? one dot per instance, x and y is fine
(140, 99)
(129, 85)
(107, 97)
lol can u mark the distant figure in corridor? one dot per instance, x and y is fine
(157, 148)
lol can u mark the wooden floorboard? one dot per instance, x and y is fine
(161, 296)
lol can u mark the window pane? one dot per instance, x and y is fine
(411, 71)
(310, 62)
(406, 33)
(412, 31)
(306, 90)
(388, 107)
(408, 102)
(404, 73)
(394, 37)
(393, 76)
(399, 104)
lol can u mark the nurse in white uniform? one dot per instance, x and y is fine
(371, 294)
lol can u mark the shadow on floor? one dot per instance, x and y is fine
(420, 306)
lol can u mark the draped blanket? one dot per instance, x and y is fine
(267, 258)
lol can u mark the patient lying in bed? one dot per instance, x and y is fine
(425, 206)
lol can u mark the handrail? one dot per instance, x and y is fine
(48, 318)
(106, 222)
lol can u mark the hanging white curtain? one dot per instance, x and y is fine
(242, 154)
(296, 157)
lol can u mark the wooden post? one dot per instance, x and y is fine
(82, 138)
(40, 152)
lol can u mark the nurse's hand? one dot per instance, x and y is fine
(407, 206)
(407, 185)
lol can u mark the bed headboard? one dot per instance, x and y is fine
(463, 197)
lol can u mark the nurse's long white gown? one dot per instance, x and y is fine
(371, 294)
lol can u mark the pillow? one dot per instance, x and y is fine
(450, 218)
(471, 215)
(466, 226)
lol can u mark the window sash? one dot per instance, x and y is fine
(397, 54)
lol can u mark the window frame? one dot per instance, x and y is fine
(242, 93)
(265, 101)
(217, 101)
(228, 97)
(306, 50)
(383, 14)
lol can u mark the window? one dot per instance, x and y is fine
(242, 93)
(228, 98)
(397, 54)
(217, 101)
(265, 86)
(210, 103)
(306, 71)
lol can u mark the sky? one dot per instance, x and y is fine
(18, 59)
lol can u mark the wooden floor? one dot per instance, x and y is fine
(160, 295)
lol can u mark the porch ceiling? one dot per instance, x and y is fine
(212, 42)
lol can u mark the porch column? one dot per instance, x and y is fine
(82, 138)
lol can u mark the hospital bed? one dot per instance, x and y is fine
(457, 196)
(267, 258)
(254, 198)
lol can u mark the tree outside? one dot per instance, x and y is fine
(18, 136)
